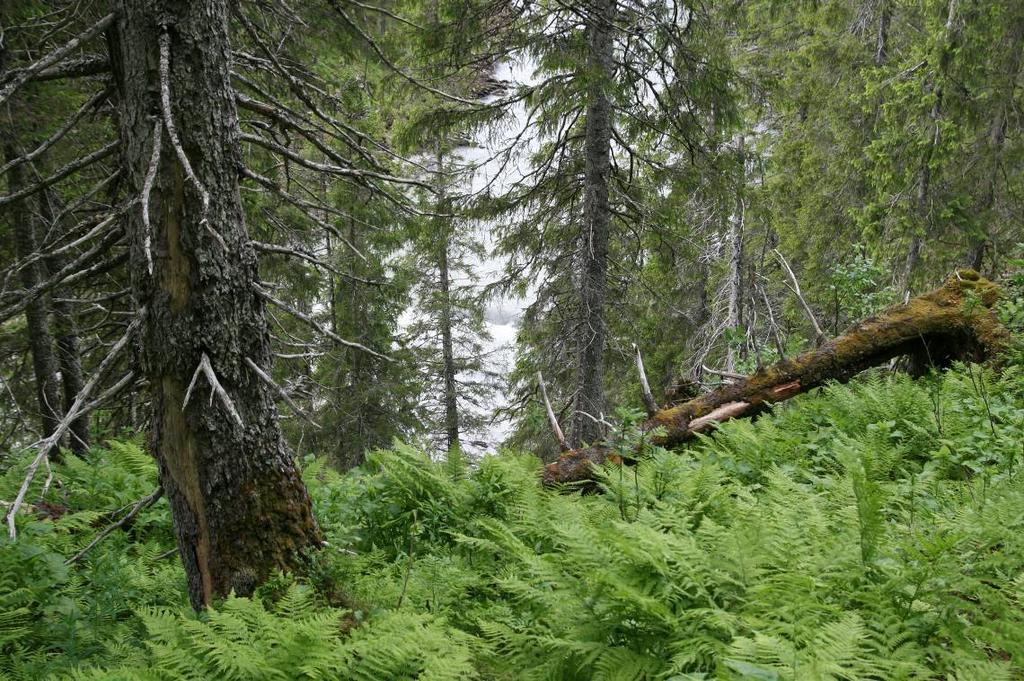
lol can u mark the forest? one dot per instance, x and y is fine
(624, 340)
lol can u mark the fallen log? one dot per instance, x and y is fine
(953, 322)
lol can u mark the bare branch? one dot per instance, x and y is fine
(90, 65)
(172, 131)
(645, 388)
(143, 503)
(552, 420)
(147, 188)
(57, 136)
(216, 388)
(25, 74)
(270, 145)
(78, 408)
(70, 168)
(306, 207)
(280, 391)
(317, 326)
(724, 374)
(795, 285)
(391, 65)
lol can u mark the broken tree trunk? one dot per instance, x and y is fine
(954, 322)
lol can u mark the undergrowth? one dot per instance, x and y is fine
(869, 531)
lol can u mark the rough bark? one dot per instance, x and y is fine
(37, 313)
(451, 407)
(589, 401)
(239, 505)
(953, 322)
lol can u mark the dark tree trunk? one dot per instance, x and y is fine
(239, 505)
(70, 360)
(924, 185)
(591, 333)
(735, 320)
(69, 355)
(37, 317)
(451, 404)
(1005, 96)
(882, 35)
(932, 328)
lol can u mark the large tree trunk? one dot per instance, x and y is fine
(589, 401)
(239, 505)
(934, 328)
(37, 314)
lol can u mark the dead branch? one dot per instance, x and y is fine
(216, 388)
(57, 136)
(143, 503)
(552, 419)
(24, 75)
(316, 325)
(147, 188)
(78, 408)
(795, 285)
(723, 374)
(280, 391)
(70, 168)
(172, 131)
(645, 388)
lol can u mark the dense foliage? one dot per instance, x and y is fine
(271, 272)
(866, 531)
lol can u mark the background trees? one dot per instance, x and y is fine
(309, 204)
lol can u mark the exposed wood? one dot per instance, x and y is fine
(552, 419)
(645, 387)
(954, 322)
(795, 285)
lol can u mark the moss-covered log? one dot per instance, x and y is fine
(953, 322)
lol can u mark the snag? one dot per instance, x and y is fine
(953, 322)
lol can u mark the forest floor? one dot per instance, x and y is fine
(874, 530)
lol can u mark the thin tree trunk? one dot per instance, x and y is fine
(239, 505)
(932, 328)
(69, 354)
(37, 314)
(925, 173)
(589, 401)
(451, 405)
(997, 134)
(735, 320)
(882, 36)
